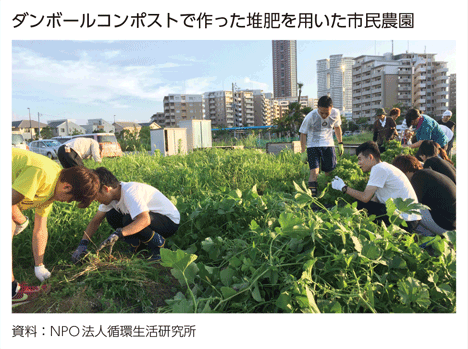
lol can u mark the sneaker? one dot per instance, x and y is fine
(154, 246)
(20, 227)
(155, 254)
(28, 293)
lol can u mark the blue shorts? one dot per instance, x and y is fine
(324, 156)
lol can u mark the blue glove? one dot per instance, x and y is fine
(80, 252)
(111, 240)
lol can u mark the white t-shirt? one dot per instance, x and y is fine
(85, 148)
(392, 183)
(140, 197)
(320, 131)
(448, 132)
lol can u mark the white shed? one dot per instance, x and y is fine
(198, 133)
(169, 141)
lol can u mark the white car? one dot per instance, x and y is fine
(46, 147)
(17, 141)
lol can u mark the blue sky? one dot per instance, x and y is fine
(99, 79)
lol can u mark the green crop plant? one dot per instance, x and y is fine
(251, 239)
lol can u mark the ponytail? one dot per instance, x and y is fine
(444, 156)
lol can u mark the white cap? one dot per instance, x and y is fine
(447, 113)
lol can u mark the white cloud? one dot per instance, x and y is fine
(89, 82)
(111, 54)
(198, 85)
(247, 83)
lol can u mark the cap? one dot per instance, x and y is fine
(447, 113)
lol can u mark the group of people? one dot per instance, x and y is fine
(143, 217)
(428, 178)
(139, 213)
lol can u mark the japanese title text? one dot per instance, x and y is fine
(203, 20)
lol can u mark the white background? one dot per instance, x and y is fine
(440, 20)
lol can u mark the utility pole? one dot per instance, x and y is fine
(30, 124)
(38, 125)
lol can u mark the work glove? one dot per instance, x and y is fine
(110, 241)
(304, 157)
(337, 183)
(340, 149)
(81, 251)
(41, 272)
(20, 227)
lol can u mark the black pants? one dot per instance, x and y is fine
(379, 209)
(70, 159)
(160, 224)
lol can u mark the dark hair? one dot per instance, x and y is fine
(430, 148)
(106, 178)
(407, 163)
(411, 115)
(325, 102)
(395, 111)
(84, 182)
(368, 148)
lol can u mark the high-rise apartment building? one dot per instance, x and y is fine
(375, 84)
(159, 118)
(178, 107)
(430, 85)
(408, 79)
(284, 68)
(243, 106)
(453, 92)
(335, 79)
(219, 108)
(230, 108)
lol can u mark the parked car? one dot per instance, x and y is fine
(62, 139)
(47, 147)
(107, 143)
(357, 132)
(17, 141)
(347, 133)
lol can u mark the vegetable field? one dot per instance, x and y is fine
(251, 240)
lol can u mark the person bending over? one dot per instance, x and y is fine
(37, 182)
(436, 158)
(434, 190)
(140, 214)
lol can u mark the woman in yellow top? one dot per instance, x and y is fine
(37, 182)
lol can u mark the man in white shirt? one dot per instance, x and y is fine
(316, 132)
(73, 152)
(140, 214)
(385, 181)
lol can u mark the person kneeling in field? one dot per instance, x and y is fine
(140, 214)
(435, 190)
(37, 182)
(385, 181)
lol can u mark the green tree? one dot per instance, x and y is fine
(47, 132)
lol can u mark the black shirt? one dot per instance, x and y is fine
(449, 124)
(437, 191)
(442, 166)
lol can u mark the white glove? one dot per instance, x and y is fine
(337, 183)
(41, 272)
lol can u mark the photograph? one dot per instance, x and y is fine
(166, 186)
